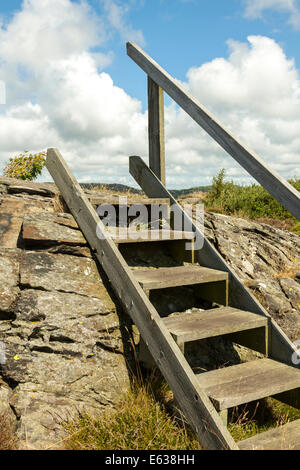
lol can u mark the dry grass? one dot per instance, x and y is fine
(193, 195)
(283, 224)
(139, 422)
(258, 294)
(289, 271)
(144, 420)
(8, 439)
(101, 188)
(60, 205)
(255, 418)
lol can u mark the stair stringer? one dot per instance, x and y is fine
(195, 404)
(280, 347)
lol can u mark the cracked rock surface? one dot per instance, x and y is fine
(63, 339)
(266, 259)
(64, 342)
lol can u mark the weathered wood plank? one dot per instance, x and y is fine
(97, 200)
(290, 398)
(213, 292)
(257, 340)
(250, 381)
(285, 437)
(164, 278)
(156, 130)
(210, 323)
(281, 347)
(179, 253)
(195, 404)
(124, 235)
(284, 192)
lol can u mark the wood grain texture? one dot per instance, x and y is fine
(213, 292)
(121, 236)
(195, 404)
(285, 437)
(281, 348)
(290, 398)
(257, 340)
(284, 192)
(156, 130)
(163, 278)
(131, 200)
(210, 323)
(250, 381)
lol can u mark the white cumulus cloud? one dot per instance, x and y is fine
(116, 15)
(2, 92)
(255, 8)
(58, 93)
(254, 92)
(54, 57)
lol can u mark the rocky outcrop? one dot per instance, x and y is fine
(65, 345)
(63, 339)
(267, 260)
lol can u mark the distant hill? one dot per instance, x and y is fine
(123, 188)
(197, 189)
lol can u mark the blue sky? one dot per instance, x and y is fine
(69, 83)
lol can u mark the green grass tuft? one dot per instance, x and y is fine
(259, 417)
(144, 420)
(138, 423)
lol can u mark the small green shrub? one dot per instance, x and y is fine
(252, 201)
(26, 166)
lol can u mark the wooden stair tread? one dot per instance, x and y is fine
(162, 278)
(97, 200)
(250, 381)
(285, 437)
(209, 323)
(143, 236)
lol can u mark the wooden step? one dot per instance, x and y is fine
(163, 278)
(114, 200)
(250, 381)
(209, 323)
(122, 235)
(285, 437)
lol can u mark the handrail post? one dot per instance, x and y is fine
(281, 189)
(156, 130)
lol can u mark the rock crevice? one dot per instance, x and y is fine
(65, 342)
(62, 334)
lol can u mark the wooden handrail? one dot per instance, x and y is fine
(281, 189)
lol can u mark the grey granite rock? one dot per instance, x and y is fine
(66, 341)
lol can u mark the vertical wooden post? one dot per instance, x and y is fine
(156, 130)
(224, 417)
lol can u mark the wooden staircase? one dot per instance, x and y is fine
(231, 386)
(203, 397)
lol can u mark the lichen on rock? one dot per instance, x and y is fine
(66, 344)
(65, 339)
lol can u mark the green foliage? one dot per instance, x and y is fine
(138, 423)
(253, 201)
(257, 417)
(296, 228)
(141, 422)
(25, 166)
